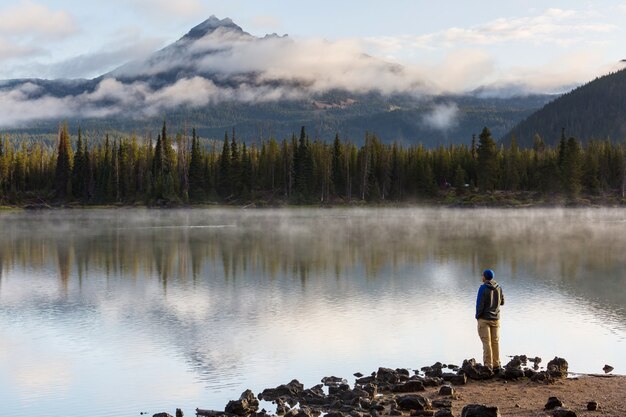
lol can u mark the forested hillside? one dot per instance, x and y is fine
(596, 110)
(178, 169)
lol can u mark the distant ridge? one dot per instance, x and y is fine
(214, 78)
(596, 110)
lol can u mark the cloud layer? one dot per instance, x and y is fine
(228, 64)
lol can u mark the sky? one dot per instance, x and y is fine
(418, 47)
(547, 44)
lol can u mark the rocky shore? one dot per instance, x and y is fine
(521, 388)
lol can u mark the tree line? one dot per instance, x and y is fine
(298, 170)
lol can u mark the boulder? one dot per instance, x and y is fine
(607, 369)
(209, 413)
(161, 415)
(444, 412)
(480, 410)
(593, 406)
(371, 389)
(427, 413)
(553, 402)
(336, 389)
(445, 403)
(446, 390)
(246, 404)
(313, 396)
(432, 381)
(455, 379)
(434, 370)
(366, 380)
(557, 368)
(413, 402)
(335, 414)
(290, 390)
(475, 370)
(281, 407)
(529, 373)
(563, 412)
(409, 386)
(302, 412)
(387, 375)
(330, 381)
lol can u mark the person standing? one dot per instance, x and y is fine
(488, 302)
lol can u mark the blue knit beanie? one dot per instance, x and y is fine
(488, 274)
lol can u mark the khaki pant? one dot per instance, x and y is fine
(489, 332)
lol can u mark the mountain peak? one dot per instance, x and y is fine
(211, 24)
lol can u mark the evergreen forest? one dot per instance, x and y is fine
(182, 169)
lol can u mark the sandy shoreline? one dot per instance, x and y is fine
(440, 390)
(531, 397)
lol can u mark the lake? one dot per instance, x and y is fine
(114, 312)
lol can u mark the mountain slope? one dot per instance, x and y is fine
(596, 110)
(218, 77)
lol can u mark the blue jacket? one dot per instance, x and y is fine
(489, 300)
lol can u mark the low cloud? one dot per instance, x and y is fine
(231, 65)
(315, 65)
(113, 97)
(442, 117)
(11, 50)
(552, 26)
(167, 9)
(34, 20)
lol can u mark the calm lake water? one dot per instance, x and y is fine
(117, 312)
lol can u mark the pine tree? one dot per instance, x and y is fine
(224, 186)
(196, 168)
(78, 170)
(459, 179)
(338, 176)
(487, 168)
(63, 170)
(572, 168)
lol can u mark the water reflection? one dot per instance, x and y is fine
(221, 300)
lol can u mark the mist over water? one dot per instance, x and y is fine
(113, 312)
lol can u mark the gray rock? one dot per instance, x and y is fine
(432, 381)
(413, 402)
(246, 404)
(292, 389)
(330, 381)
(302, 412)
(593, 406)
(444, 412)
(563, 412)
(179, 412)
(434, 370)
(475, 370)
(455, 379)
(607, 369)
(445, 403)
(426, 413)
(553, 402)
(480, 410)
(557, 367)
(336, 389)
(409, 386)
(446, 390)
(387, 375)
